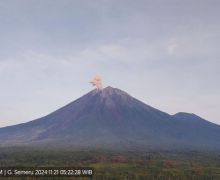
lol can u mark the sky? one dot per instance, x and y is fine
(162, 52)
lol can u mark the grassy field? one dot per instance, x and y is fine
(116, 165)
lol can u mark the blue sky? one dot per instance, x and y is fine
(163, 52)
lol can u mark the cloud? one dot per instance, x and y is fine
(172, 54)
(104, 52)
(197, 45)
(172, 47)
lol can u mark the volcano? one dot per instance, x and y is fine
(111, 118)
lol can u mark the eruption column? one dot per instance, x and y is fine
(97, 81)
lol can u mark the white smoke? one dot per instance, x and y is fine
(97, 81)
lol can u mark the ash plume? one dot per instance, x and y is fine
(97, 81)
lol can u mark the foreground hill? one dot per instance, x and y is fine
(111, 118)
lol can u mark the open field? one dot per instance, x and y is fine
(118, 164)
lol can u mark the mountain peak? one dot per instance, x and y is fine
(112, 90)
(109, 91)
(184, 115)
(109, 88)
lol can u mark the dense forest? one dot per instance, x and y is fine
(116, 165)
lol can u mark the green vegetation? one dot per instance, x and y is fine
(116, 165)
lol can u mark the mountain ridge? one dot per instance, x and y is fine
(112, 117)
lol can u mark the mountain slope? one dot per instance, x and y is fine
(111, 117)
(196, 129)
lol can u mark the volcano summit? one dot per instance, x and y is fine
(111, 118)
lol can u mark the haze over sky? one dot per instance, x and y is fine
(163, 52)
